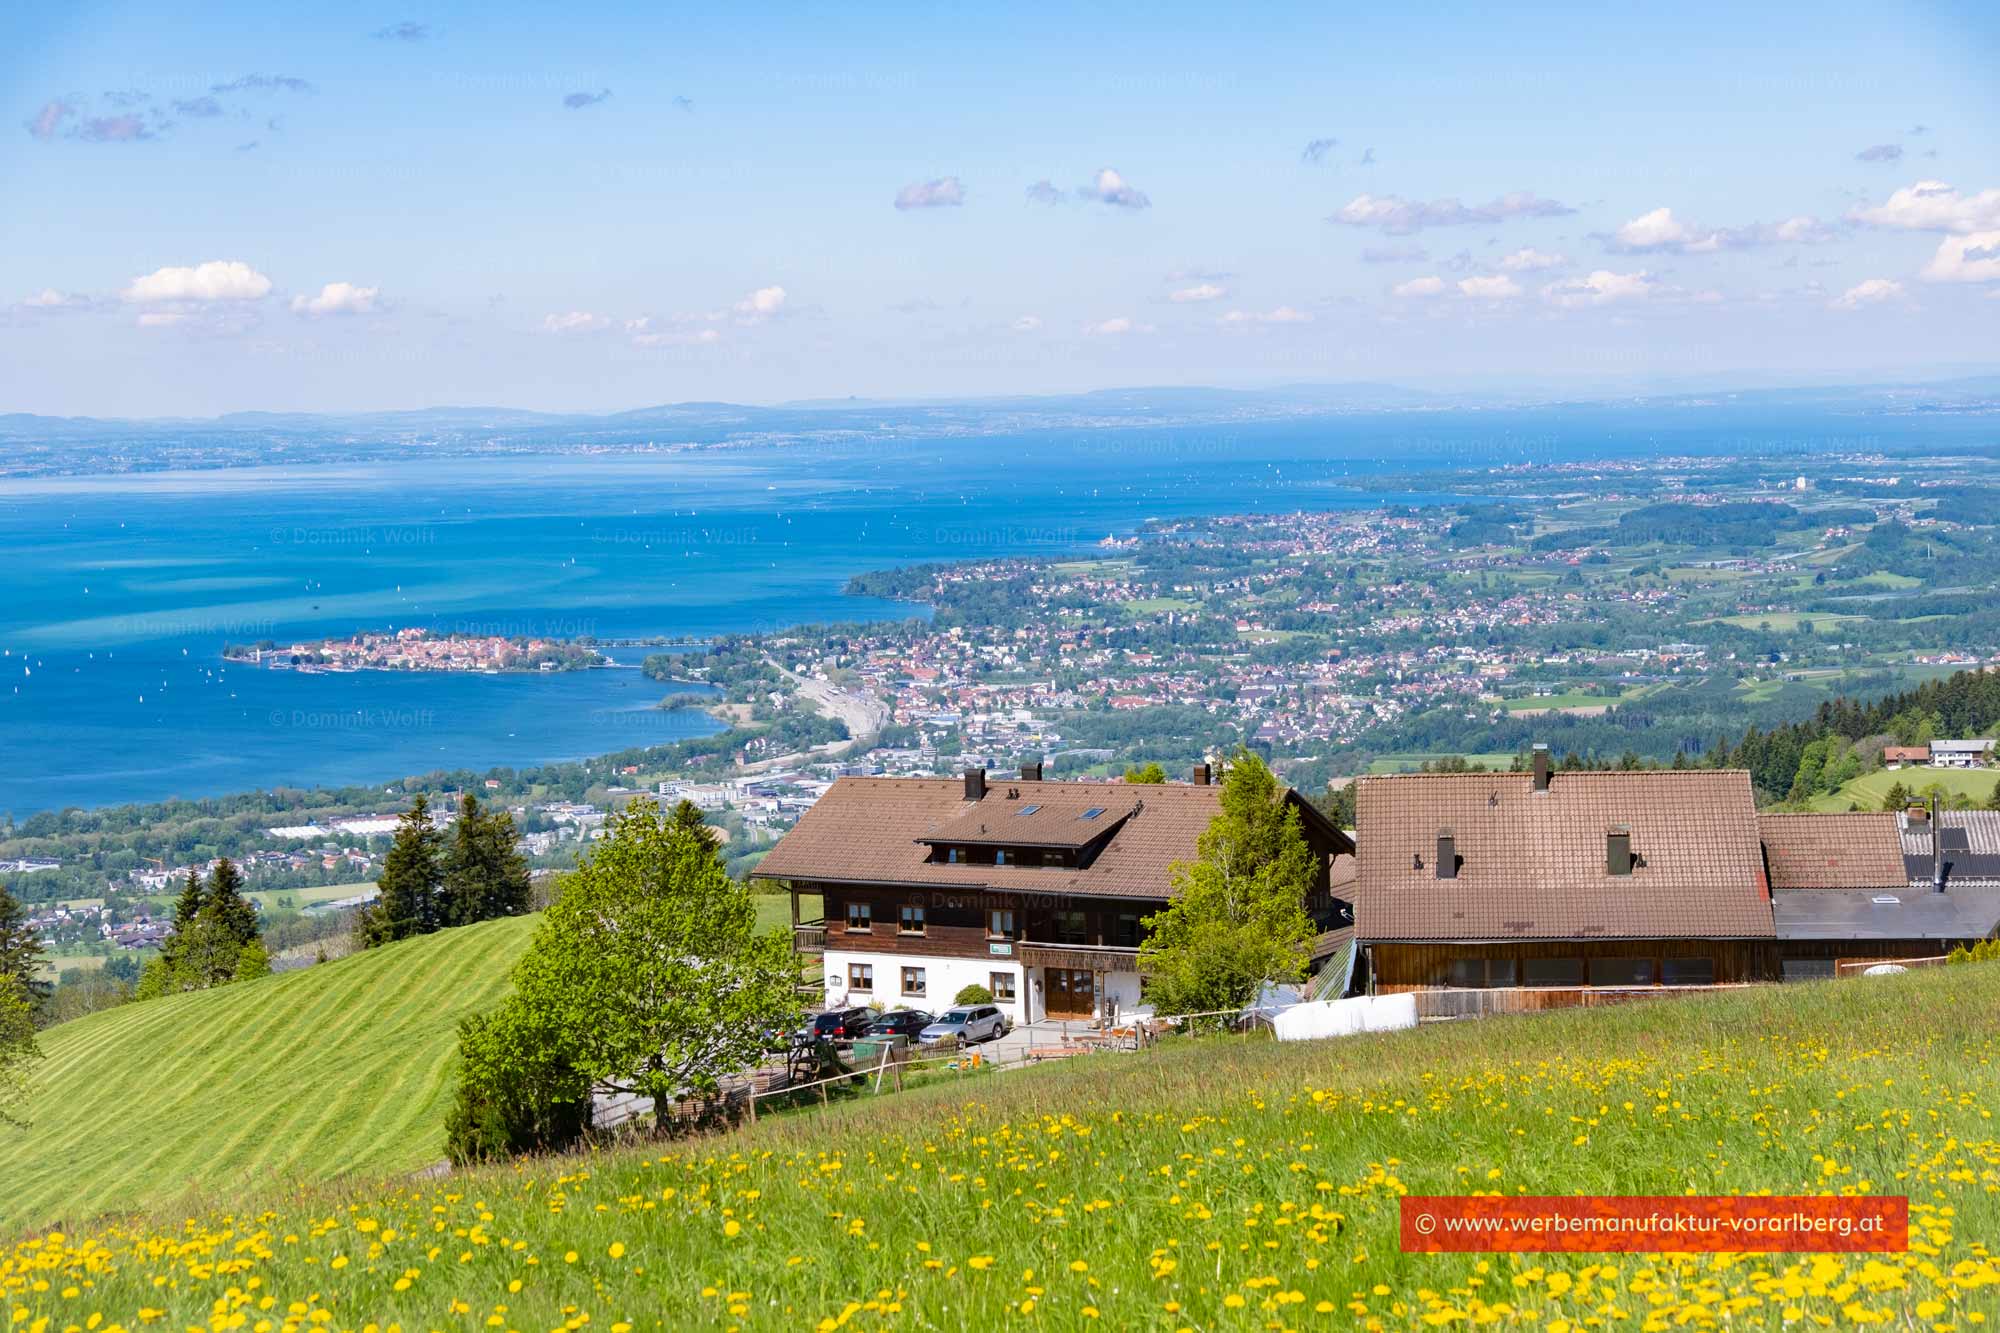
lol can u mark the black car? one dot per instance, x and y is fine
(902, 1023)
(839, 1024)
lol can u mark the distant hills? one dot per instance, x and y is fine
(32, 444)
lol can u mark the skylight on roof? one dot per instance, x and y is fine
(1026, 810)
(1092, 813)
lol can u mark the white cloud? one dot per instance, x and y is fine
(1108, 187)
(1973, 258)
(1027, 324)
(216, 280)
(1934, 206)
(337, 298)
(944, 192)
(160, 319)
(1532, 260)
(1660, 230)
(760, 305)
(1398, 216)
(1602, 287)
(1657, 230)
(48, 298)
(1245, 319)
(1872, 292)
(1207, 291)
(1426, 286)
(576, 321)
(1115, 326)
(645, 331)
(1496, 288)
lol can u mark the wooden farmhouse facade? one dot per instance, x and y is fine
(1037, 890)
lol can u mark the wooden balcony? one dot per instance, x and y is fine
(809, 936)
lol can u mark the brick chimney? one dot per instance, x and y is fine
(975, 784)
(1541, 767)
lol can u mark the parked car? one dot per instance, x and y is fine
(839, 1024)
(967, 1024)
(901, 1023)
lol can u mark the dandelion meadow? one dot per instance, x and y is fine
(1220, 1183)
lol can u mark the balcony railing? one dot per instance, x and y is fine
(809, 936)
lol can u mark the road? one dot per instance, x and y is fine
(863, 714)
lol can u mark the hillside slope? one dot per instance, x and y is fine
(1215, 1184)
(340, 1068)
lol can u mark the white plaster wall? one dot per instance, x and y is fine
(943, 978)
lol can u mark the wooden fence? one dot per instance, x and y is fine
(1478, 1003)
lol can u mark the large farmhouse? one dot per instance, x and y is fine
(1034, 889)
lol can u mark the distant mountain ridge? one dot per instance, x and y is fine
(42, 445)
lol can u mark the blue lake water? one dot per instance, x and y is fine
(117, 593)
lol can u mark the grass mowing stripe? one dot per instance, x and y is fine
(294, 1076)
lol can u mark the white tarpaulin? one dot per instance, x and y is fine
(1343, 1018)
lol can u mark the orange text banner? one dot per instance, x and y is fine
(1610, 1224)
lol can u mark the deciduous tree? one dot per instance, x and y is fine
(647, 976)
(1237, 918)
(18, 1051)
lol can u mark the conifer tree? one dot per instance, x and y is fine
(484, 876)
(234, 913)
(185, 911)
(20, 943)
(410, 884)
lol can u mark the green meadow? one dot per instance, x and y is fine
(1215, 1183)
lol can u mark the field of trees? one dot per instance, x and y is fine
(1212, 1183)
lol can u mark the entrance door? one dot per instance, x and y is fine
(1071, 993)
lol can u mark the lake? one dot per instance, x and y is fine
(120, 591)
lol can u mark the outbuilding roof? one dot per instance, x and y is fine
(1851, 850)
(1535, 865)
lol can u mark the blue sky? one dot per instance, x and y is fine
(225, 207)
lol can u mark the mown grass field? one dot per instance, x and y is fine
(302, 1076)
(1868, 790)
(1411, 761)
(1219, 1184)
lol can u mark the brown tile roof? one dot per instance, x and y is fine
(1532, 865)
(1053, 817)
(875, 831)
(1855, 850)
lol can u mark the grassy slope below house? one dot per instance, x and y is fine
(1868, 790)
(1209, 1185)
(306, 1075)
